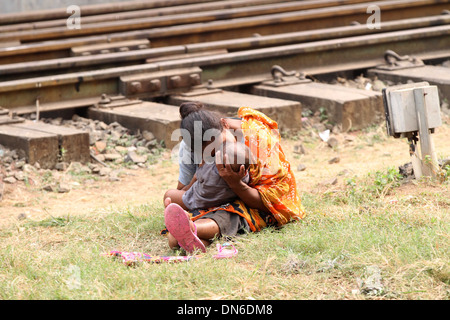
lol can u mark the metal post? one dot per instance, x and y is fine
(429, 161)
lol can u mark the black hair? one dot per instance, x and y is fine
(198, 122)
(188, 107)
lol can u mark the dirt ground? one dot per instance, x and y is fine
(358, 152)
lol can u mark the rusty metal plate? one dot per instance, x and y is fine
(160, 83)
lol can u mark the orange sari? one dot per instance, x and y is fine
(271, 175)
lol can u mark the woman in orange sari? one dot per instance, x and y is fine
(269, 199)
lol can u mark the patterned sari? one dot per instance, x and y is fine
(271, 175)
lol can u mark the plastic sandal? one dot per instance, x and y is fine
(177, 223)
(227, 250)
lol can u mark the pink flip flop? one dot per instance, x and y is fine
(177, 223)
(227, 250)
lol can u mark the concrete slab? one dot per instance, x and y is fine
(352, 108)
(73, 144)
(434, 75)
(287, 113)
(160, 119)
(35, 146)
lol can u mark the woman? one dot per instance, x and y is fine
(270, 197)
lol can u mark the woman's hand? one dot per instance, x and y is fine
(231, 177)
(250, 196)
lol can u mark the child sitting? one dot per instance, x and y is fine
(210, 190)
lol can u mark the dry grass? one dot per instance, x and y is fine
(402, 233)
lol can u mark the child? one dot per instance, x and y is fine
(210, 190)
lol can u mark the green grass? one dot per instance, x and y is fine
(325, 256)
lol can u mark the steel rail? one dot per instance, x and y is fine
(301, 20)
(242, 67)
(186, 34)
(132, 57)
(275, 7)
(92, 9)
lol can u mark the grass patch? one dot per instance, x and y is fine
(329, 255)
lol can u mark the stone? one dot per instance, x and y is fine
(299, 149)
(334, 160)
(141, 150)
(19, 164)
(301, 167)
(104, 171)
(21, 216)
(64, 187)
(19, 176)
(132, 156)
(100, 146)
(100, 157)
(114, 176)
(61, 166)
(111, 156)
(151, 144)
(121, 149)
(378, 85)
(48, 187)
(332, 142)
(148, 135)
(10, 180)
(349, 138)
(329, 182)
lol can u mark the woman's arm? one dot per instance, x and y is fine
(249, 195)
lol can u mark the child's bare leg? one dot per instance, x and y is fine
(207, 229)
(176, 196)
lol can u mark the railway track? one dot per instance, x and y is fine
(134, 62)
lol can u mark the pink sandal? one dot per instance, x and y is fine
(177, 223)
(227, 250)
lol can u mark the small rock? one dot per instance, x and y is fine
(151, 144)
(100, 146)
(19, 164)
(378, 85)
(134, 157)
(101, 126)
(28, 168)
(114, 176)
(349, 138)
(329, 182)
(7, 159)
(301, 167)
(95, 168)
(48, 187)
(10, 180)
(300, 149)
(332, 142)
(334, 160)
(63, 187)
(121, 149)
(148, 135)
(141, 150)
(19, 175)
(21, 216)
(61, 166)
(104, 171)
(343, 172)
(112, 156)
(100, 157)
